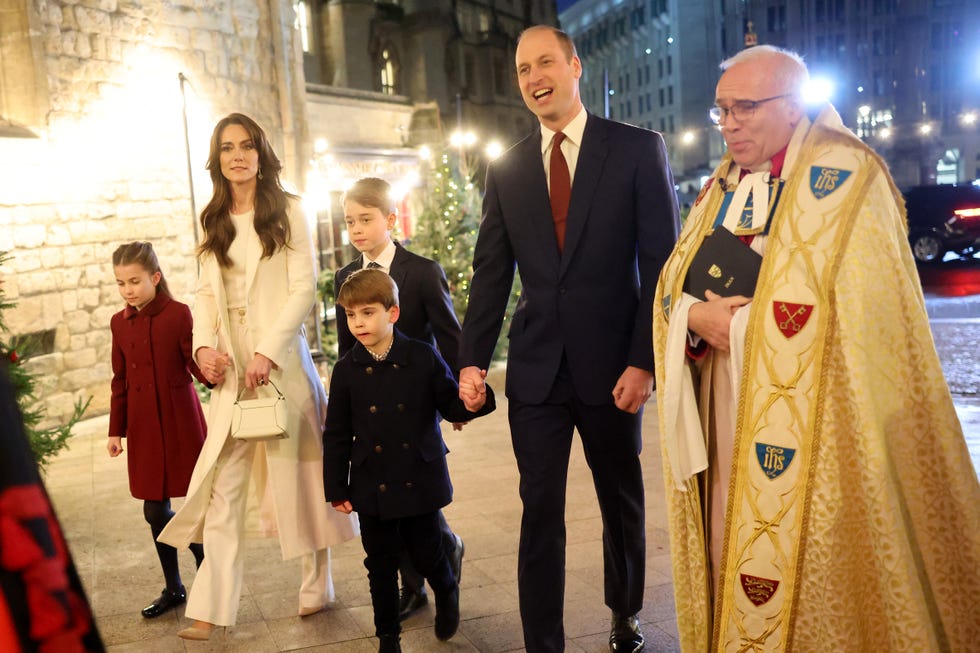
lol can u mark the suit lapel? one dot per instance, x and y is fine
(397, 271)
(592, 154)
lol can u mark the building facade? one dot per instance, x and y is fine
(106, 109)
(904, 75)
(651, 63)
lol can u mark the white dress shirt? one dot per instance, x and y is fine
(384, 259)
(573, 131)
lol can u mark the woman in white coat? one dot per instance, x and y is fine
(257, 287)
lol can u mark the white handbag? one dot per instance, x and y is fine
(262, 418)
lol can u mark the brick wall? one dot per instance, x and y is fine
(110, 163)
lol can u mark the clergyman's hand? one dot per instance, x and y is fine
(712, 319)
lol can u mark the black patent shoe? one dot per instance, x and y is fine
(389, 644)
(447, 614)
(166, 601)
(409, 601)
(456, 558)
(625, 635)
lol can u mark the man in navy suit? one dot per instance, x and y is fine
(580, 353)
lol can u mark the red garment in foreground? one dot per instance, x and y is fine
(42, 604)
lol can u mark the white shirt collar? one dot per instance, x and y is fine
(384, 259)
(573, 131)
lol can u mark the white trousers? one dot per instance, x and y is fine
(217, 588)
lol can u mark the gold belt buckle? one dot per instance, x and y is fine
(241, 315)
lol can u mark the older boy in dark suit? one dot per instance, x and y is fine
(383, 452)
(426, 313)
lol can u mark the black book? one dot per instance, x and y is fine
(724, 265)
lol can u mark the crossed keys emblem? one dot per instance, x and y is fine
(791, 318)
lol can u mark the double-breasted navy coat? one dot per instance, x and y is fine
(154, 404)
(382, 445)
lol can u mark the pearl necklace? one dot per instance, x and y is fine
(380, 357)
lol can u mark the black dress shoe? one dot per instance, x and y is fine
(411, 600)
(447, 614)
(389, 644)
(166, 601)
(625, 635)
(456, 558)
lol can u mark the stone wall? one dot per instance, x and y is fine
(110, 164)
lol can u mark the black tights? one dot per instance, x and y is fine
(157, 515)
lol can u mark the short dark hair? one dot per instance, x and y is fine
(564, 40)
(371, 192)
(368, 286)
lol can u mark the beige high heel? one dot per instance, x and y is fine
(200, 631)
(307, 611)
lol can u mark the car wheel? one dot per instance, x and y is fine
(927, 248)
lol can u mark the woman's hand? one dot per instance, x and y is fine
(213, 364)
(257, 372)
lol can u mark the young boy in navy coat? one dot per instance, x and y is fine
(425, 313)
(383, 452)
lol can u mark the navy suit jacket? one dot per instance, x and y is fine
(427, 311)
(593, 302)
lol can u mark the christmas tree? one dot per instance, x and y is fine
(447, 223)
(45, 442)
(446, 229)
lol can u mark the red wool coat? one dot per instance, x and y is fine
(154, 404)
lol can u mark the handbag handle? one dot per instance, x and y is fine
(278, 392)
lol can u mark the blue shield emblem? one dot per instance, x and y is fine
(824, 181)
(772, 459)
(666, 307)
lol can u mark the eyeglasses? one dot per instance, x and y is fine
(740, 110)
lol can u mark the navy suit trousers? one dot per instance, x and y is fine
(542, 437)
(382, 540)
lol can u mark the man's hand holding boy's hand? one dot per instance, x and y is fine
(342, 506)
(472, 389)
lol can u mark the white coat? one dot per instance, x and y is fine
(280, 291)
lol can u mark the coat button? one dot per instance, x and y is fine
(401, 408)
(377, 448)
(369, 370)
(404, 445)
(395, 365)
(382, 488)
(373, 409)
(408, 484)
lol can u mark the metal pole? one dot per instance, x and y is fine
(187, 148)
(605, 93)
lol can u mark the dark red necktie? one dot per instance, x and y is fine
(561, 189)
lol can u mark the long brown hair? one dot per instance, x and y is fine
(141, 253)
(271, 199)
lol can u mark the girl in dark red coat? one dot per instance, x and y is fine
(154, 403)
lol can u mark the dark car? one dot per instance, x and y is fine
(943, 219)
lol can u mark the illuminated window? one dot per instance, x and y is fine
(304, 24)
(23, 79)
(388, 72)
